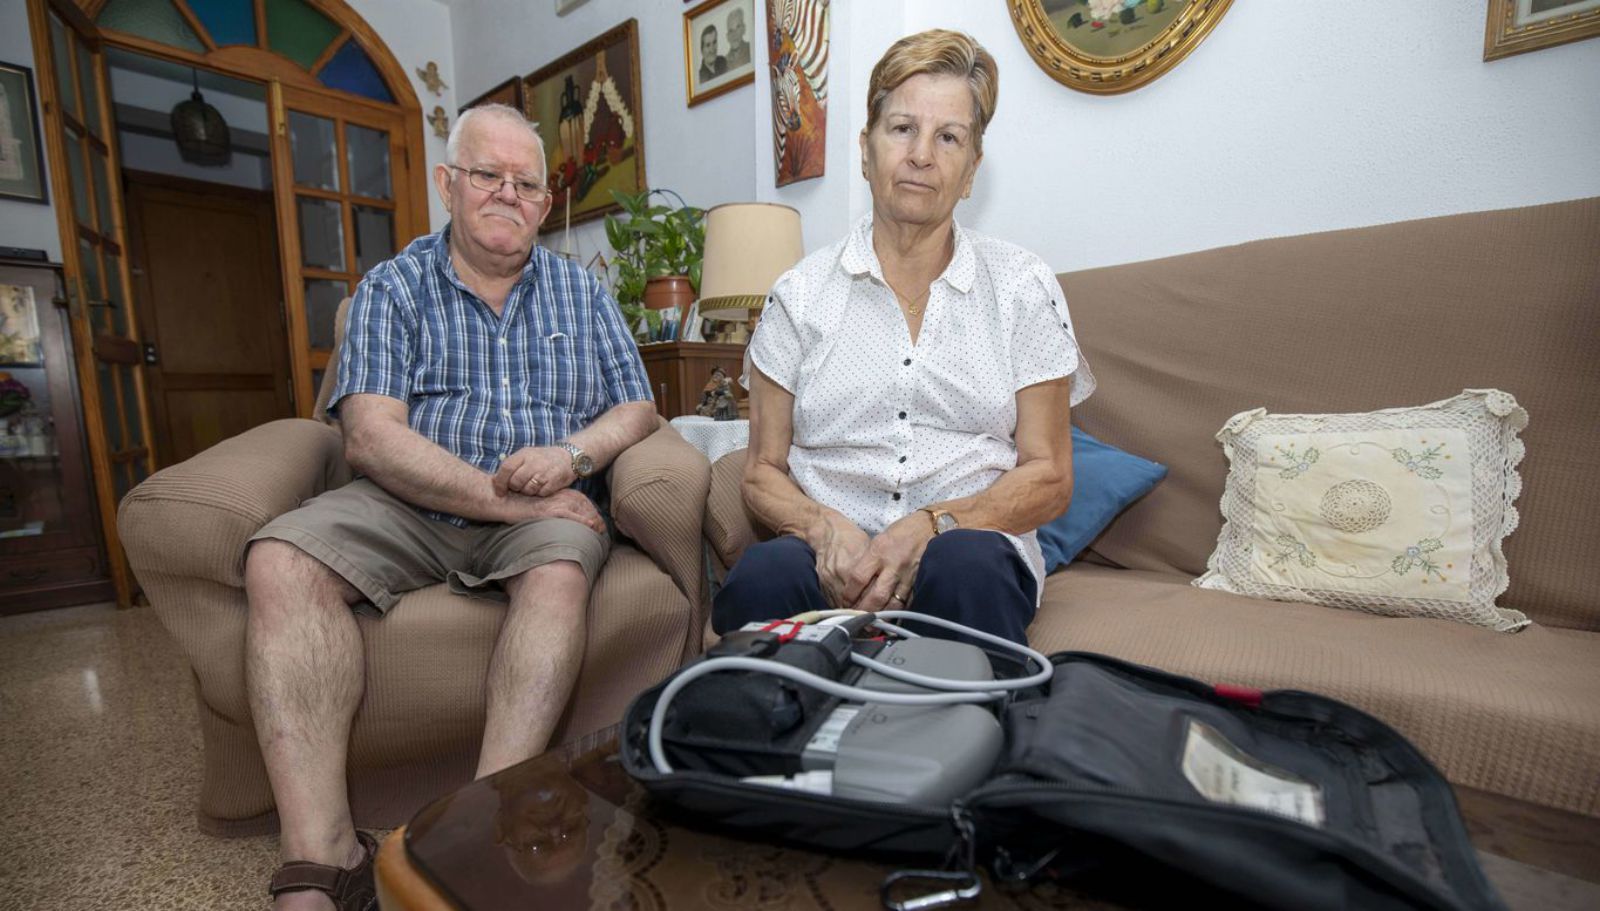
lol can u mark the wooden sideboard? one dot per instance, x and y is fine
(678, 372)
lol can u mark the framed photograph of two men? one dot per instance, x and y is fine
(21, 152)
(716, 48)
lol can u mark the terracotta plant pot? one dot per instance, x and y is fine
(667, 291)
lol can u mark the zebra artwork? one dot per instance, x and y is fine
(798, 51)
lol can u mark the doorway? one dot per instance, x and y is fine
(203, 255)
(205, 273)
(312, 65)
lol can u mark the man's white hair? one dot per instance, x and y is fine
(502, 111)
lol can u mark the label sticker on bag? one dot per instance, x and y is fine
(1223, 773)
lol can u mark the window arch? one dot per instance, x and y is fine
(330, 73)
(311, 43)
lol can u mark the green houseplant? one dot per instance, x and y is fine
(653, 242)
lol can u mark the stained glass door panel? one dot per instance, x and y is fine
(340, 178)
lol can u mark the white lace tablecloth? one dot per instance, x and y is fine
(714, 438)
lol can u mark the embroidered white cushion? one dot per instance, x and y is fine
(1398, 512)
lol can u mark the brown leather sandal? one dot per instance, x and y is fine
(351, 889)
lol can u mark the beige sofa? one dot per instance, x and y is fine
(417, 732)
(1400, 314)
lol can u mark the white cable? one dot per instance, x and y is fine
(950, 691)
(658, 718)
(1046, 669)
(812, 616)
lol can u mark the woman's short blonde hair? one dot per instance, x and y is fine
(937, 52)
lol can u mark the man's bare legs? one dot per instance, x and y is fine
(304, 670)
(535, 663)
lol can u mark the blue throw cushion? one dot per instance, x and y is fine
(1105, 481)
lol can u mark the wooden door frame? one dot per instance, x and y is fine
(281, 100)
(256, 65)
(150, 180)
(90, 348)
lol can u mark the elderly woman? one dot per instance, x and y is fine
(911, 384)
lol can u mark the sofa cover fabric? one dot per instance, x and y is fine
(1358, 320)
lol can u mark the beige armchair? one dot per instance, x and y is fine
(417, 732)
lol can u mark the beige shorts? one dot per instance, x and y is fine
(384, 547)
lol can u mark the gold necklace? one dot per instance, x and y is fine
(913, 308)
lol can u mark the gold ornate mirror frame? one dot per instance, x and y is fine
(1109, 75)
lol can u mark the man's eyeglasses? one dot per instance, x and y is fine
(492, 181)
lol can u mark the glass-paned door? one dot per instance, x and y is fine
(340, 174)
(80, 138)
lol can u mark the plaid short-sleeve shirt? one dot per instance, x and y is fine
(484, 386)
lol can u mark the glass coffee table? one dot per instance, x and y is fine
(570, 830)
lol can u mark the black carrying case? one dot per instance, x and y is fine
(1091, 791)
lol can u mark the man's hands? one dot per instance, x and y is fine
(535, 483)
(882, 578)
(535, 471)
(563, 504)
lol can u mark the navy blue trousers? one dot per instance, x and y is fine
(973, 577)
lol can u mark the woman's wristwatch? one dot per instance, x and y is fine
(942, 520)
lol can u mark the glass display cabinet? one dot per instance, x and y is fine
(50, 548)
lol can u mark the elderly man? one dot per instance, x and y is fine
(482, 385)
(738, 48)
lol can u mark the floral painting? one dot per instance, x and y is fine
(586, 107)
(1108, 46)
(1110, 28)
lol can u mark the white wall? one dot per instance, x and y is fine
(707, 153)
(25, 224)
(416, 32)
(1288, 118)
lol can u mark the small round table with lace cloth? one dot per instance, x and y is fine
(714, 438)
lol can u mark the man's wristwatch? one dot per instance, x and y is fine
(942, 520)
(582, 464)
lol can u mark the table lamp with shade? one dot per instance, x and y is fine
(748, 245)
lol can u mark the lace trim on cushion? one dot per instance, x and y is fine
(1490, 418)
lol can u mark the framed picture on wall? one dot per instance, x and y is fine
(797, 40)
(1108, 46)
(588, 110)
(21, 152)
(1519, 26)
(717, 56)
(508, 92)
